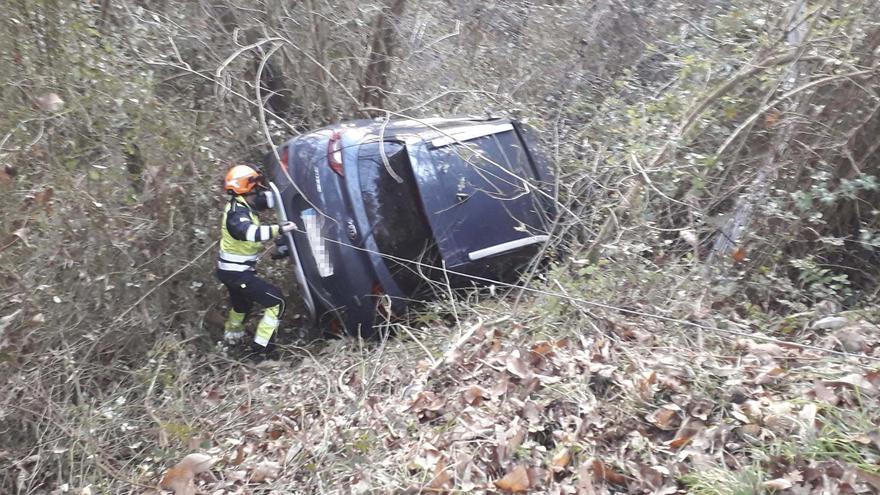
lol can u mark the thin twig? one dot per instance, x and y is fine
(818, 82)
(160, 284)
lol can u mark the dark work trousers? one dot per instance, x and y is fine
(246, 288)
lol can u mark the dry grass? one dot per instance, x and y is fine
(582, 402)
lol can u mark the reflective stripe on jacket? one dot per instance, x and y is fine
(241, 235)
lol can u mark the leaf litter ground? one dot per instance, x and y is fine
(629, 406)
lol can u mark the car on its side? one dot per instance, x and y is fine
(385, 208)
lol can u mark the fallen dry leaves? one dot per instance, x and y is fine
(517, 480)
(475, 394)
(605, 472)
(560, 460)
(666, 417)
(266, 470)
(49, 102)
(517, 366)
(503, 412)
(5, 177)
(180, 478)
(777, 485)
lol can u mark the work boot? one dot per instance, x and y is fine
(233, 330)
(267, 326)
(259, 354)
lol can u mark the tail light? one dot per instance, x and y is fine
(335, 328)
(283, 158)
(334, 153)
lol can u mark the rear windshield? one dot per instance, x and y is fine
(394, 211)
(499, 158)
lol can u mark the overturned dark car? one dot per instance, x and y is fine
(385, 208)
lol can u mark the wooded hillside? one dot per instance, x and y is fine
(704, 320)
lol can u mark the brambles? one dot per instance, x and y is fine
(645, 367)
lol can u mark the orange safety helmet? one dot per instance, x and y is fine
(242, 179)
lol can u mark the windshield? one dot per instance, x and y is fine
(498, 163)
(394, 210)
(480, 198)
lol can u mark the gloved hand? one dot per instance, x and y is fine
(288, 226)
(263, 200)
(280, 254)
(269, 198)
(281, 249)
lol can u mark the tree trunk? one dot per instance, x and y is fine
(318, 41)
(739, 222)
(375, 85)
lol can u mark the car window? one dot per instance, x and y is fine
(498, 158)
(394, 211)
(481, 197)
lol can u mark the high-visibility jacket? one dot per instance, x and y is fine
(241, 235)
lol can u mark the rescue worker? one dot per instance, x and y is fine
(240, 243)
